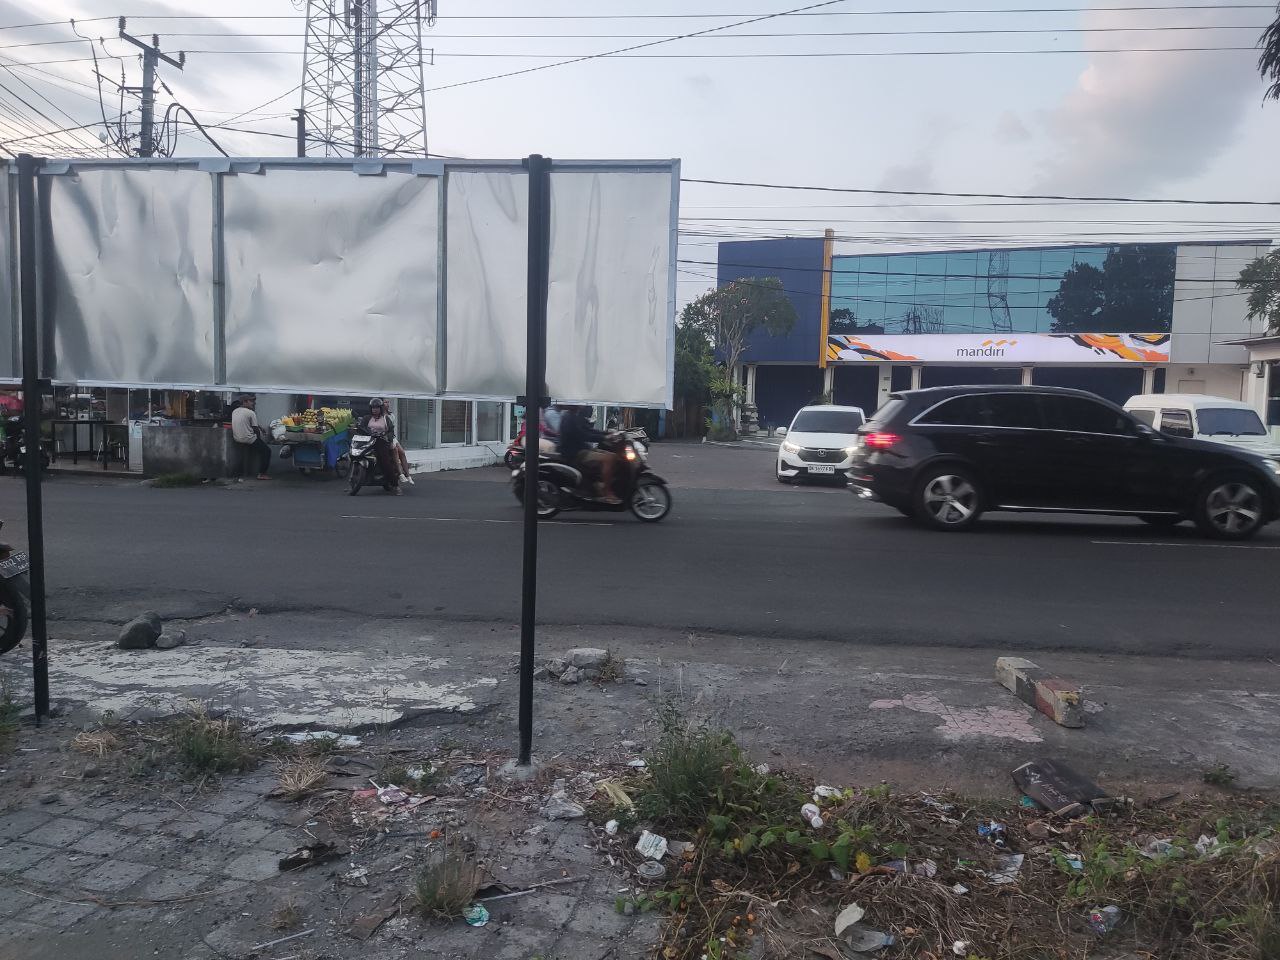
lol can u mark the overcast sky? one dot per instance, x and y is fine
(1188, 124)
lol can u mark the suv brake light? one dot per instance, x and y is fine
(880, 441)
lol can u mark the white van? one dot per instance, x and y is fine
(1201, 417)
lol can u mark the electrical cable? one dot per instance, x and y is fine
(987, 196)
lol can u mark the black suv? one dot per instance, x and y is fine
(945, 455)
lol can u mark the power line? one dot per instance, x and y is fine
(812, 54)
(651, 43)
(987, 196)
(1150, 8)
(966, 31)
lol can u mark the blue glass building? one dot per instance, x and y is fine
(1117, 319)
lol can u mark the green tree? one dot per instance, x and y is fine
(1132, 292)
(842, 320)
(729, 315)
(695, 362)
(1261, 278)
(1269, 60)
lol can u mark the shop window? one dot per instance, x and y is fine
(489, 421)
(455, 422)
(417, 424)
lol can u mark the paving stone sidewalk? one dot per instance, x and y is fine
(102, 870)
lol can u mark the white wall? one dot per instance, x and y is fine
(1208, 308)
(1226, 380)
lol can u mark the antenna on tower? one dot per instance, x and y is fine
(362, 89)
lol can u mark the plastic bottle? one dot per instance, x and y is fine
(1104, 919)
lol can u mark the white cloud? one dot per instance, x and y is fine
(1136, 121)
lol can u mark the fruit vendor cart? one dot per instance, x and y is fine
(318, 440)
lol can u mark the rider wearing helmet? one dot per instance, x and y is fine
(380, 424)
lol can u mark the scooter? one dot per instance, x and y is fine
(14, 452)
(364, 463)
(562, 486)
(15, 596)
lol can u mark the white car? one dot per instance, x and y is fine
(819, 443)
(1201, 417)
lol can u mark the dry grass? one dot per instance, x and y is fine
(764, 884)
(445, 887)
(300, 777)
(206, 744)
(97, 743)
(287, 915)
(612, 668)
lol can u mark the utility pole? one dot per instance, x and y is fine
(300, 119)
(151, 55)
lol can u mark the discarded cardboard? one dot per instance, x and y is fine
(1061, 790)
(364, 926)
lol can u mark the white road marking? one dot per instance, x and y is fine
(1207, 546)
(564, 523)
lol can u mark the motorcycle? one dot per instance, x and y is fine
(15, 596)
(364, 463)
(14, 452)
(562, 486)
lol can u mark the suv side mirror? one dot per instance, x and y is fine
(1145, 432)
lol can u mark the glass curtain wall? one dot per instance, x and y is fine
(1099, 289)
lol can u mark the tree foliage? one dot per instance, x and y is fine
(1269, 59)
(729, 315)
(1261, 278)
(695, 362)
(1132, 292)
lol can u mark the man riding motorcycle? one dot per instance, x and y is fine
(576, 437)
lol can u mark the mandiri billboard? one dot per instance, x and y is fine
(1011, 349)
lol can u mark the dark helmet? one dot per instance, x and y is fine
(376, 403)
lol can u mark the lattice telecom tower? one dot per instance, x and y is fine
(362, 90)
(998, 291)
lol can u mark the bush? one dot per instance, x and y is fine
(206, 745)
(444, 888)
(692, 770)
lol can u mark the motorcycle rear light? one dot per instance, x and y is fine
(880, 441)
(631, 453)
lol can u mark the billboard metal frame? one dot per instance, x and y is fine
(218, 168)
(28, 236)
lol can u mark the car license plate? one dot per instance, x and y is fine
(822, 468)
(15, 565)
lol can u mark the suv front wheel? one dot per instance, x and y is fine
(1230, 508)
(947, 498)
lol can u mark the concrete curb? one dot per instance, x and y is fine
(1057, 699)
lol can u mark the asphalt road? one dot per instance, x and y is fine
(739, 554)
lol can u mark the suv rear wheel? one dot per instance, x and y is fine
(947, 498)
(1230, 508)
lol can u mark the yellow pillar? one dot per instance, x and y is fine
(824, 309)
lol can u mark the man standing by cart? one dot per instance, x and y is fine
(246, 431)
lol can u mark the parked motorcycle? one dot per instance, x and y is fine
(562, 486)
(363, 458)
(14, 453)
(15, 596)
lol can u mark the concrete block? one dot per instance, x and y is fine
(1059, 700)
(588, 657)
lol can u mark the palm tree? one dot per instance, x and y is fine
(1269, 61)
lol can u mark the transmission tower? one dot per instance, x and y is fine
(998, 291)
(362, 90)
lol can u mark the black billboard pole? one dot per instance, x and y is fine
(539, 169)
(32, 402)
